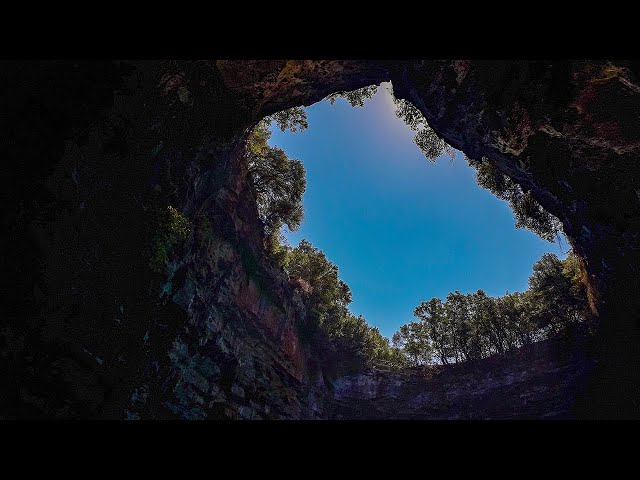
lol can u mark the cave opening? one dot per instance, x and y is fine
(141, 185)
(400, 228)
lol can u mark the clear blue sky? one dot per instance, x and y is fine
(401, 229)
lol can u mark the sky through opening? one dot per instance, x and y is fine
(402, 229)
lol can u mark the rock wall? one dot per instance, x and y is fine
(95, 149)
(91, 331)
(542, 381)
(569, 132)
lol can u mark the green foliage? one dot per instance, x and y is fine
(413, 340)
(293, 119)
(277, 247)
(473, 326)
(330, 296)
(351, 334)
(527, 211)
(432, 315)
(514, 314)
(178, 225)
(553, 289)
(426, 139)
(356, 98)
(327, 307)
(171, 228)
(279, 183)
(258, 138)
(278, 180)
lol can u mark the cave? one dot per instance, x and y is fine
(92, 148)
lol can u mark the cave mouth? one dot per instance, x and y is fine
(400, 228)
(112, 145)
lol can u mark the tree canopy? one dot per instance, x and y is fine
(279, 181)
(526, 210)
(356, 98)
(327, 308)
(474, 325)
(425, 138)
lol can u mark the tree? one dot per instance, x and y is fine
(330, 296)
(487, 331)
(413, 339)
(170, 227)
(426, 138)
(354, 337)
(432, 314)
(528, 308)
(293, 119)
(327, 307)
(573, 270)
(514, 316)
(356, 98)
(279, 183)
(553, 290)
(527, 211)
(474, 325)
(456, 310)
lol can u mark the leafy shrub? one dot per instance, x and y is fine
(171, 228)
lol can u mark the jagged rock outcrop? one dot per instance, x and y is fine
(94, 150)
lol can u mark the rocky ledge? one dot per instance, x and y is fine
(539, 381)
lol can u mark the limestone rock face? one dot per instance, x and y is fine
(95, 150)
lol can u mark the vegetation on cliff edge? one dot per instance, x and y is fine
(474, 325)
